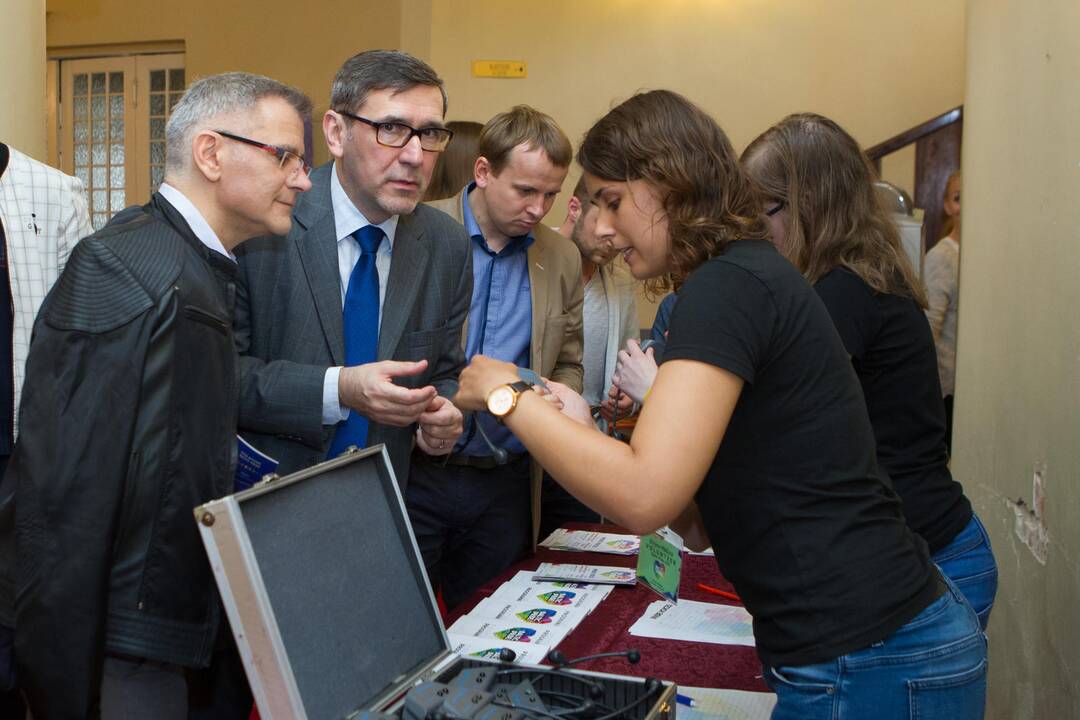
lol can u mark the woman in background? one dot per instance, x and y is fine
(454, 167)
(942, 271)
(824, 216)
(757, 413)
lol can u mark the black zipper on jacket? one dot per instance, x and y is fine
(196, 313)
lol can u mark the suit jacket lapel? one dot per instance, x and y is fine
(453, 208)
(538, 282)
(409, 256)
(316, 243)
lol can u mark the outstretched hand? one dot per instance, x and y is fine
(370, 390)
(480, 377)
(572, 404)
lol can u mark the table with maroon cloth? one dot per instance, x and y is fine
(607, 628)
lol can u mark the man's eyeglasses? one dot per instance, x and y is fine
(288, 161)
(398, 135)
(775, 209)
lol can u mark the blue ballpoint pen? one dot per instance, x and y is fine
(685, 700)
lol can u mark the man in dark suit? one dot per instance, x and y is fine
(350, 330)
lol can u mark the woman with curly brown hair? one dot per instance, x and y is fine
(757, 414)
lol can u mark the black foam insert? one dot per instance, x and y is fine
(345, 584)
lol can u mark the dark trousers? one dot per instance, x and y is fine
(220, 692)
(470, 523)
(136, 688)
(558, 507)
(11, 704)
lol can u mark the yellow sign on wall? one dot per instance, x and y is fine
(500, 68)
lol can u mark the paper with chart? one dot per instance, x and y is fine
(550, 595)
(696, 622)
(530, 613)
(515, 631)
(713, 704)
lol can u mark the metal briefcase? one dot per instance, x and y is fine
(329, 602)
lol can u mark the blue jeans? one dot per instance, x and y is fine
(933, 667)
(969, 562)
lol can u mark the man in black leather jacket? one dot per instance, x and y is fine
(129, 414)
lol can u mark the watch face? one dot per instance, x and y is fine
(500, 401)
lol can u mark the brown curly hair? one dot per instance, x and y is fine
(669, 142)
(816, 170)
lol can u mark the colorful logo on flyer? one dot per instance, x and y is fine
(488, 653)
(516, 634)
(536, 616)
(557, 597)
(622, 544)
(571, 585)
(618, 574)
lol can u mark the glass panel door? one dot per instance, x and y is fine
(112, 118)
(98, 100)
(161, 85)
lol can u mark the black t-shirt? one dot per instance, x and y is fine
(801, 521)
(892, 350)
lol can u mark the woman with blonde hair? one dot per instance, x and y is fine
(756, 413)
(942, 270)
(825, 217)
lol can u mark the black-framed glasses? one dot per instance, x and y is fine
(398, 135)
(775, 209)
(288, 161)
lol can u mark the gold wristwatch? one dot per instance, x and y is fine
(502, 400)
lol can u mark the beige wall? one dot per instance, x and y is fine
(877, 68)
(22, 76)
(298, 43)
(899, 169)
(1018, 373)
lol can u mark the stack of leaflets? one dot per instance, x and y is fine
(600, 574)
(587, 541)
(525, 616)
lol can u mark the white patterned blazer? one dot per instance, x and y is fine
(44, 214)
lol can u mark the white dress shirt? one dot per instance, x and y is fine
(941, 270)
(194, 219)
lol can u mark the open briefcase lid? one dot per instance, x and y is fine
(323, 584)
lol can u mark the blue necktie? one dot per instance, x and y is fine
(360, 318)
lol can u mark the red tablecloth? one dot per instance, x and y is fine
(606, 629)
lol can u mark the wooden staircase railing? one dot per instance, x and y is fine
(937, 155)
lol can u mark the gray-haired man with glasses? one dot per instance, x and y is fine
(128, 417)
(350, 330)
